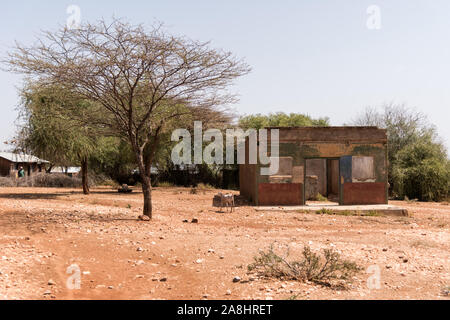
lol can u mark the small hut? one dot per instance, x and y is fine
(10, 163)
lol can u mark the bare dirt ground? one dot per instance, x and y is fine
(44, 231)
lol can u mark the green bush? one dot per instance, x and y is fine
(419, 167)
(422, 171)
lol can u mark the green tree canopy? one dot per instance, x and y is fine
(422, 171)
(418, 161)
(280, 119)
(51, 132)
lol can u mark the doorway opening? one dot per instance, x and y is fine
(322, 181)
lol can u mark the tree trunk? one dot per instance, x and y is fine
(84, 176)
(147, 190)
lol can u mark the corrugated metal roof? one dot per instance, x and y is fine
(70, 170)
(21, 158)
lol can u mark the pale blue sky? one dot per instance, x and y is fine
(309, 56)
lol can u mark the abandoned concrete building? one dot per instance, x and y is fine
(348, 165)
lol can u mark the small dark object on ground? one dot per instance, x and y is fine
(125, 189)
(194, 220)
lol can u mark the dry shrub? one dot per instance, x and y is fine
(323, 270)
(7, 182)
(55, 181)
(42, 180)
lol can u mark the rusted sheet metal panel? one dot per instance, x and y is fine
(363, 169)
(247, 179)
(364, 193)
(346, 169)
(288, 194)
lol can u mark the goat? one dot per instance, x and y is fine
(226, 200)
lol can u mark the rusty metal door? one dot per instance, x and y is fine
(345, 168)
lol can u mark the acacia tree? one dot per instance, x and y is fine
(50, 128)
(138, 77)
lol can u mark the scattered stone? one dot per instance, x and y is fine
(228, 293)
(139, 249)
(51, 283)
(237, 279)
(163, 280)
(199, 261)
(144, 218)
(110, 287)
(405, 260)
(47, 293)
(194, 220)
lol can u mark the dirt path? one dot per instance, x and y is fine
(44, 231)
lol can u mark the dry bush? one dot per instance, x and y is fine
(324, 270)
(42, 180)
(7, 182)
(55, 181)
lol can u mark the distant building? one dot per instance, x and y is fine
(10, 164)
(70, 171)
